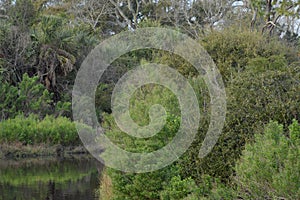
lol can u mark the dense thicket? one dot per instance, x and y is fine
(265, 87)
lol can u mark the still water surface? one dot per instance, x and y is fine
(49, 179)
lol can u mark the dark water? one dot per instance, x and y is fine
(49, 179)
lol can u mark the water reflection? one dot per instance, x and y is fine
(49, 179)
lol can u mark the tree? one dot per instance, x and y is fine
(190, 16)
(215, 11)
(15, 42)
(279, 15)
(92, 12)
(56, 49)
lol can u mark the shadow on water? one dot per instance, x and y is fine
(49, 179)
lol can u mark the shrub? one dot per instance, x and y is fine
(269, 168)
(179, 188)
(146, 185)
(29, 97)
(140, 186)
(234, 49)
(254, 98)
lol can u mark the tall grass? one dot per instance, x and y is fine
(32, 130)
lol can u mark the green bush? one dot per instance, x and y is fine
(140, 186)
(269, 168)
(234, 49)
(255, 96)
(29, 97)
(209, 188)
(146, 185)
(179, 188)
(32, 130)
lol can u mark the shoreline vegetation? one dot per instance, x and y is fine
(17, 150)
(29, 137)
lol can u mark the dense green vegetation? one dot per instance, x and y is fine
(267, 168)
(31, 130)
(255, 45)
(29, 97)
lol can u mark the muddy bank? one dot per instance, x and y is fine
(17, 150)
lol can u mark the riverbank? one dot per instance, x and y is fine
(18, 150)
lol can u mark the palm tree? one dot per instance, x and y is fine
(56, 50)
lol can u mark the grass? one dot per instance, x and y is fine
(32, 130)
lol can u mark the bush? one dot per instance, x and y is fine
(269, 168)
(179, 188)
(255, 96)
(32, 130)
(140, 186)
(146, 185)
(29, 97)
(234, 49)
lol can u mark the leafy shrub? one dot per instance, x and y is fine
(269, 168)
(140, 186)
(254, 97)
(32, 130)
(209, 188)
(29, 97)
(179, 188)
(234, 49)
(147, 185)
